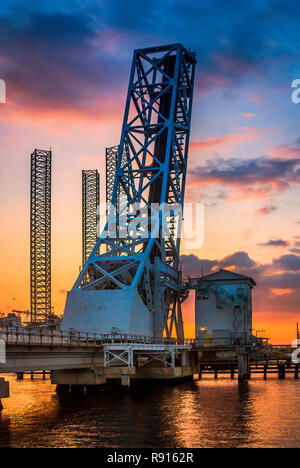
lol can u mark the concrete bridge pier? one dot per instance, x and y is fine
(243, 363)
(67, 380)
(62, 389)
(125, 381)
(4, 391)
(77, 389)
(92, 389)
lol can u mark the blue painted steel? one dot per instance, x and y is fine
(155, 137)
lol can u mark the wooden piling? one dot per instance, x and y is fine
(265, 371)
(296, 371)
(243, 363)
(281, 371)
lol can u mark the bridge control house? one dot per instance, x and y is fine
(223, 308)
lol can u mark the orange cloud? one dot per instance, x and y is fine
(247, 134)
(257, 99)
(281, 292)
(101, 109)
(285, 152)
(265, 210)
(249, 114)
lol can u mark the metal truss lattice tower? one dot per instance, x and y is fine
(134, 282)
(40, 235)
(90, 211)
(111, 170)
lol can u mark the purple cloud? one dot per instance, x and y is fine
(275, 243)
(289, 262)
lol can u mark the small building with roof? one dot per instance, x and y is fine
(223, 307)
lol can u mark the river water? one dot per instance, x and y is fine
(204, 413)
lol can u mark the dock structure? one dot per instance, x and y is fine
(264, 368)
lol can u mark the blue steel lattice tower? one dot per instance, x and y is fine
(134, 282)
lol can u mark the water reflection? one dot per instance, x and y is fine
(205, 413)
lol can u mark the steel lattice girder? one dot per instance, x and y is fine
(40, 235)
(111, 156)
(155, 137)
(90, 211)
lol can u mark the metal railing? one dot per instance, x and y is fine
(74, 338)
(239, 339)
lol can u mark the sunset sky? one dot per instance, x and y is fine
(66, 65)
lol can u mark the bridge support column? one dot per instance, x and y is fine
(243, 363)
(184, 359)
(92, 389)
(281, 371)
(4, 391)
(125, 381)
(78, 389)
(62, 389)
(77, 378)
(296, 371)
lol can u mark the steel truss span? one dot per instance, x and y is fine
(40, 235)
(134, 281)
(90, 211)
